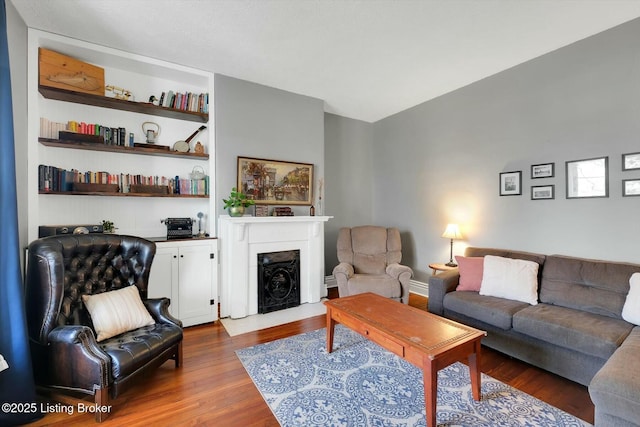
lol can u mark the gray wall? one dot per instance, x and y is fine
(252, 120)
(348, 178)
(17, 40)
(441, 159)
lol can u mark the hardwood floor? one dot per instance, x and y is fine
(213, 389)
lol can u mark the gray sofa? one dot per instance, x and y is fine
(576, 330)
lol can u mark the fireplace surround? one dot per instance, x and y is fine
(243, 238)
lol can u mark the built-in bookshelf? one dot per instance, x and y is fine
(138, 213)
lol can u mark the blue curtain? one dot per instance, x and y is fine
(18, 403)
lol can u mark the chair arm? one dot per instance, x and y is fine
(403, 274)
(159, 310)
(439, 286)
(342, 273)
(76, 360)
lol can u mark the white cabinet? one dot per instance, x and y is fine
(187, 272)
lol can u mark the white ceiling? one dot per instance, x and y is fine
(367, 59)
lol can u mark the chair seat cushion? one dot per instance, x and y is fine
(381, 284)
(491, 310)
(577, 330)
(131, 350)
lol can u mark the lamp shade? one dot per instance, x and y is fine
(452, 232)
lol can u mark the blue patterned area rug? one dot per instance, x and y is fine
(361, 384)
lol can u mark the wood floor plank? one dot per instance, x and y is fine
(212, 387)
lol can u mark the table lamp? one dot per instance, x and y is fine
(452, 232)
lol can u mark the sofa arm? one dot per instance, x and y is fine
(75, 359)
(159, 310)
(342, 273)
(439, 285)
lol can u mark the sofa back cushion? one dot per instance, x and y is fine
(598, 287)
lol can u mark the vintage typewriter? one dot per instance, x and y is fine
(179, 228)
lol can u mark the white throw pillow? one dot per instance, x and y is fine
(514, 279)
(631, 308)
(115, 312)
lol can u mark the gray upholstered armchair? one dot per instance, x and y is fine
(370, 262)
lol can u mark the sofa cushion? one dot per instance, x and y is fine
(514, 279)
(581, 331)
(381, 284)
(615, 388)
(598, 287)
(494, 311)
(470, 273)
(631, 308)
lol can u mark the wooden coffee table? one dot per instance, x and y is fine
(428, 341)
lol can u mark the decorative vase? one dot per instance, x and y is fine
(236, 210)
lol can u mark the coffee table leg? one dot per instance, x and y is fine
(430, 378)
(330, 326)
(474, 370)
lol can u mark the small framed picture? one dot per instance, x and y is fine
(542, 192)
(511, 183)
(631, 187)
(544, 170)
(587, 178)
(630, 161)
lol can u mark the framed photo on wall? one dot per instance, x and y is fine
(630, 161)
(542, 192)
(275, 182)
(544, 170)
(511, 183)
(588, 178)
(631, 187)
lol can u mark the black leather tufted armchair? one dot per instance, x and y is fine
(65, 354)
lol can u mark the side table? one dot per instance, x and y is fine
(440, 267)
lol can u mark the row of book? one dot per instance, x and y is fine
(107, 135)
(186, 101)
(54, 179)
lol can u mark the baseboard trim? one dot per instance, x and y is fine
(415, 286)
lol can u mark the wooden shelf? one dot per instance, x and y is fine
(92, 146)
(107, 194)
(120, 104)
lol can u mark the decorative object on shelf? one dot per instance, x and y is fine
(178, 228)
(542, 192)
(201, 232)
(511, 183)
(276, 182)
(282, 211)
(199, 148)
(452, 232)
(630, 161)
(151, 134)
(118, 93)
(312, 211)
(64, 72)
(545, 170)
(197, 173)
(587, 178)
(108, 227)
(237, 202)
(183, 146)
(262, 210)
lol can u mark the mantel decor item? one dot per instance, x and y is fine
(452, 232)
(275, 182)
(511, 183)
(588, 178)
(237, 202)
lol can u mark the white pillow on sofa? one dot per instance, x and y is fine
(514, 279)
(115, 312)
(631, 308)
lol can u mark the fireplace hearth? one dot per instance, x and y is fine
(278, 280)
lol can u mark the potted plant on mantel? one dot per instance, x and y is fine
(237, 202)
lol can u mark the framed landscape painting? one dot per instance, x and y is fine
(275, 182)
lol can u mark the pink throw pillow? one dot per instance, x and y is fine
(471, 269)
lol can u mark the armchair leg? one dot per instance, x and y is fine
(178, 355)
(101, 397)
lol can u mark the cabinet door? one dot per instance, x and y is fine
(197, 291)
(164, 277)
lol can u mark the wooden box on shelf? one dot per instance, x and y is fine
(80, 137)
(149, 189)
(85, 187)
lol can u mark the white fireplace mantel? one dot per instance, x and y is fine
(243, 238)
